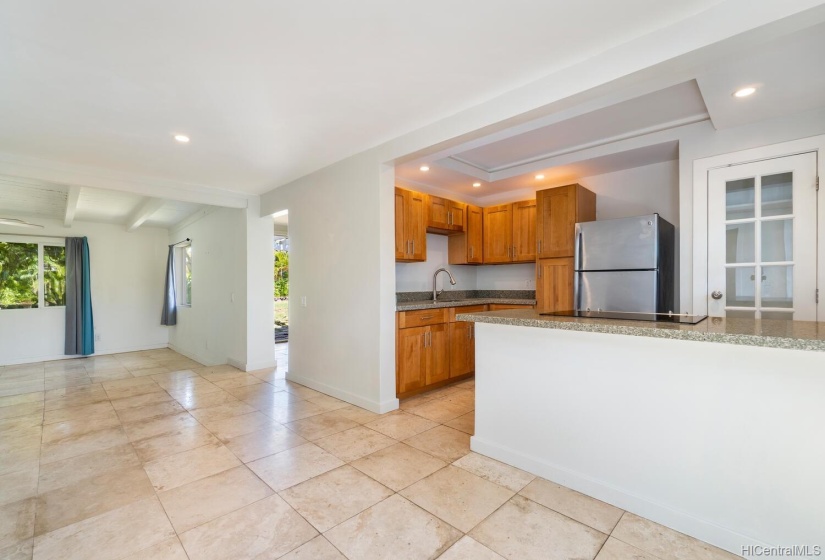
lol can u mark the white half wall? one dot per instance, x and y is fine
(713, 440)
(127, 274)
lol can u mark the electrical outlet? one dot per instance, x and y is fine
(97, 337)
(303, 301)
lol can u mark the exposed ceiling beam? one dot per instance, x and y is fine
(144, 212)
(71, 205)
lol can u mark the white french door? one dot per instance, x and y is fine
(762, 239)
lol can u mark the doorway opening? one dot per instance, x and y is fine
(280, 295)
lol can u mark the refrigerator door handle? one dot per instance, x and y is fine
(577, 252)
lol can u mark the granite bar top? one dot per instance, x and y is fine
(795, 335)
(412, 301)
(428, 304)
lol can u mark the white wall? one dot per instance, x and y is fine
(127, 275)
(336, 250)
(418, 277)
(230, 320)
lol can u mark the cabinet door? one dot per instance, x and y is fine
(438, 213)
(554, 285)
(411, 360)
(474, 226)
(524, 231)
(556, 220)
(416, 224)
(402, 245)
(455, 212)
(438, 354)
(462, 349)
(498, 233)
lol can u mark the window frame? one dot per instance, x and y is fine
(41, 263)
(180, 274)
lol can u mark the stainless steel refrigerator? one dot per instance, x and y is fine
(625, 265)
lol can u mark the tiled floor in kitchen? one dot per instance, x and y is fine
(150, 455)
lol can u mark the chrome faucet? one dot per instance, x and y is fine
(435, 275)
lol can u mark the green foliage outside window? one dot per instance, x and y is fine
(281, 274)
(19, 277)
(54, 275)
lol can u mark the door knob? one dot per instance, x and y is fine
(716, 295)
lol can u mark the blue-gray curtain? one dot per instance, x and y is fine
(169, 316)
(80, 326)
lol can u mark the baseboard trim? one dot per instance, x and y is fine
(253, 366)
(107, 352)
(369, 404)
(686, 523)
(194, 356)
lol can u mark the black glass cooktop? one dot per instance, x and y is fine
(628, 316)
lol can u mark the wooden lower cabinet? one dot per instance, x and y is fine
(437, 354)
(433, 349)
(554, 285)
(462, 348)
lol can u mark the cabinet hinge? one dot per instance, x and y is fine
(817, 182)
(817, 295)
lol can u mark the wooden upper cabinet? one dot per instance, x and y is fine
(524, 231)
(410, 226)
(558, 210)
(554, 284)
(466, 247)
(498, 233)
(444, 215)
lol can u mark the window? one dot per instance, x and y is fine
(32, 275)
(184, 273)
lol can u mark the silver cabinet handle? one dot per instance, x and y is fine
(716, 295)
(538, 270)
(539, 246)
(413, 246)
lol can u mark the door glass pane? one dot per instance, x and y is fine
(740, 243)
(738, 314)
(740, 286)
(777, 240)
(777, 286)
(777, 194)
(780, 315)
(739, 197)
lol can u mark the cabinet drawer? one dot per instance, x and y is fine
(503, 306)
(465, 309)
(422, 317)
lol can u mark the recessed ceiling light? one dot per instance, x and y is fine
(476, 185)
(424, 168)
(539, 176)
(744, 92)
(182, 138)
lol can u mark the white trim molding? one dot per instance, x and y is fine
(701, 169)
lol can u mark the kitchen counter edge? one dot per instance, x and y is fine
(791, 335)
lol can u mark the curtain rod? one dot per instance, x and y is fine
(187, 240)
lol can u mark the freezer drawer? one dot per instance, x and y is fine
(623, 244)
(633, 290)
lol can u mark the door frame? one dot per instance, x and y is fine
(701, 184)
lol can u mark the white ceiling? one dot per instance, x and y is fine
(785, 71)
(271, 90)
(38, 199)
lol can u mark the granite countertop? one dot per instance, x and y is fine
(428, 304)
(796, 335)
(412, 301)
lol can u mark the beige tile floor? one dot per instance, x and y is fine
(149, 455)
